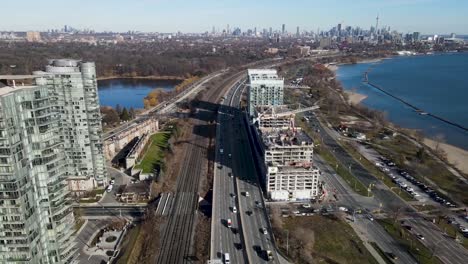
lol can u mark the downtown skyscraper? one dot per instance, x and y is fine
(49, 130)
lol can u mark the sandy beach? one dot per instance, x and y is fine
(355, 98)
(456, 156)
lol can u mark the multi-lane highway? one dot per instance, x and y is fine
(178, 233)
(236, 185)
(225, 239)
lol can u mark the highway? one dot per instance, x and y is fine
(225, 195)
(235, 176)
(178, 232)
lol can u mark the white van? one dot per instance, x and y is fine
(226, 258)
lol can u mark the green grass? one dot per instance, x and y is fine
(403, 152)
(377, 173)
(155, 151)
(326, 154)
(409, 242)
(451, 231)
(384, 255)
(334, 241)
(129, 242)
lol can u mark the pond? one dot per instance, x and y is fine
(130, 92)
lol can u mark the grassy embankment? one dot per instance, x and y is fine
(327, 155)
(451, 231)
(130, 252)
(383, 254)
(428, 170)
(323, 239)
(376, 172)
(155, 151)
(409, 242)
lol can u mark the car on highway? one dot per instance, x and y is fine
(249, 213)
(264, 231)
(112, 181)
(392, 256)
(226, 258)
(269, 255)
(246, 194)
(234, 209)
(109, 188)
(229, 223)
(420, 236)
(370, 217)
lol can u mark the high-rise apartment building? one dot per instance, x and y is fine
(75, 86)
(37, 219)
(265, 89)
(283, 29)
(49, 131)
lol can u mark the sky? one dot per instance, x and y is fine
(425, 16)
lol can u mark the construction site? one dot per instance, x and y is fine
(287, 152)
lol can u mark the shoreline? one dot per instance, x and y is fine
(456, 156)
(159, 78)
(355, 98)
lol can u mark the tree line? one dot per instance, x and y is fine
(113, 116)
(129, 60)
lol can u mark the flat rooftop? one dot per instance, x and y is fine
(285, 138)
(263, 75)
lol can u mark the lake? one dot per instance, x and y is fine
(435, 83)
(130, 92)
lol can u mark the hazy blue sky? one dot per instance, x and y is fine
(426, 16)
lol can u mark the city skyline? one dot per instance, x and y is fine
(162, 15)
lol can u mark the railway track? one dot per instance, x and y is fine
(178, 232)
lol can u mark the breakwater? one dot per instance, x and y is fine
(417, 109)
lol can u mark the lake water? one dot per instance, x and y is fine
(129, 92)
(438, 84)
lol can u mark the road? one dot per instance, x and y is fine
(235, 175)
(225, 195)
(370, 229)
(442, 245)
(119, 211)
(177, 236)
(388, 201)
(166, 106)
